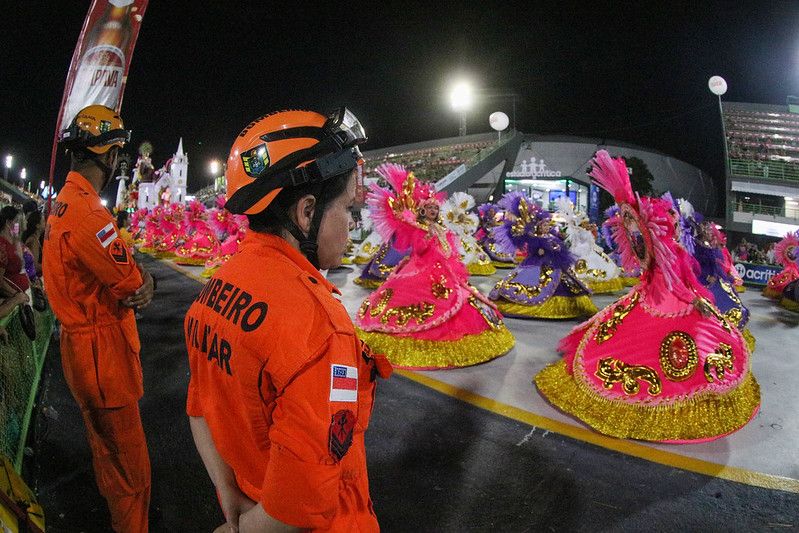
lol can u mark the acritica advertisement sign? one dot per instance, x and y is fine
(755, 274)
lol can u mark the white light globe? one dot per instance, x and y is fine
(717, 85)
(462, 96)
(498, 120)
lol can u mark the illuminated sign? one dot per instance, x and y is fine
(534, 169)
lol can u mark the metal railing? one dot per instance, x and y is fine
(775, 170)
(757, 209)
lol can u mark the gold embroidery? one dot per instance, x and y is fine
(678, 356)
(571, 283)
(720, 361)
(440, 289)
(529, 291)
(385, 296)
(707, 308)
(612, 371)
(620, 311)
(581, 267)
(419, 312)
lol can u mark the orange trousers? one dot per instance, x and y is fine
(103, 370)
(121, 464)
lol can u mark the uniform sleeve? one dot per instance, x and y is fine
(96, 243)
(301, 483)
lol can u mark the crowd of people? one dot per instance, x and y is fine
(750, 252)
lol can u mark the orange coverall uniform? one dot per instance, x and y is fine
(87, 271)
(285, 386)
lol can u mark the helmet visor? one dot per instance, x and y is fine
(345, 127)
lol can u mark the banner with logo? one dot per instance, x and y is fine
(99, 67)
(756, 274)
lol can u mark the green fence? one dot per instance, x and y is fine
(21, 363)
(775, 170)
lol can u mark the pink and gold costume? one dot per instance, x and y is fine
(662, 363)
(426, 315)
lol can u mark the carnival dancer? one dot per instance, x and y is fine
(592, 266)
(708, 245)
(381, 265)
(369, 246)
(456, 215)
(790, 296)
(426, 315)
(662, 363)
(490, 217)
(786, 252)
(543, 285)
(200, 242)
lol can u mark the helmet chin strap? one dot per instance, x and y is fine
(107, 170)
(309, 243)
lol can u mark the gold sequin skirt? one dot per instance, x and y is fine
(420, 354)
(700, 417)
(556, 307)
(605, 286)
(749, 339)
(367, 283)
(789, 304)
(768, 292)
(740, 288)
(478, 269)
(500, 264)
(190, 261)
(630, 281)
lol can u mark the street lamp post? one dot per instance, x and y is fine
(718, 86)
(9, 162)
(461, 99)
(214, 167)
(23, 174)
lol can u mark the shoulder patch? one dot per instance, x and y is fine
(119, 252)
(342, 425)
(106, 235)
(343, 383)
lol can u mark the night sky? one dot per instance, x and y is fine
(202, 70)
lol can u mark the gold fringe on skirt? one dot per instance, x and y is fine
(367, 283)
(704, 416)
(749, 339)
(477, 269)
(789, 304)
(605, 286)
(630, 282)
(420, 354)
(556, 307)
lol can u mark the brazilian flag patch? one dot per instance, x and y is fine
(255, 160)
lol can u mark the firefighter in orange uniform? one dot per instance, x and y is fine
(94, 285)
(281, 389)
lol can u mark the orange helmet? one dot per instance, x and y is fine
(95, 128)
(289, 148)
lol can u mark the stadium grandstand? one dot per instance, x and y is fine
(544, 167)
(763, 167)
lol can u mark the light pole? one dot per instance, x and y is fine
(718, 86)
(9, 162)
(461, 98)
(511, 95)
(23, 174)
(214, 167)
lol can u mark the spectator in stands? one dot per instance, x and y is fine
(770, 253)
(14, 278)
(742, 251)
(32, 239)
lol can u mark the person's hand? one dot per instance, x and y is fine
(143, 295)
(234, 503)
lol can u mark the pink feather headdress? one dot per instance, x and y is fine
(392, 208)
(782, 249)
(654, 218)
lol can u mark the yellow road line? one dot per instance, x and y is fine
(177, 268)
(628, 447)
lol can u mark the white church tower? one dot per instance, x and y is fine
(179, 173)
